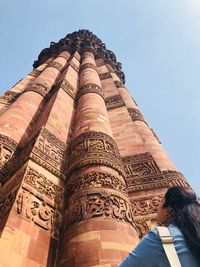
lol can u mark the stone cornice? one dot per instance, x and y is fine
(82, 40)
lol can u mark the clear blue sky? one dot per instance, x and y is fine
(158, 43)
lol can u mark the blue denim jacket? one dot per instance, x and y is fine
(150, 253)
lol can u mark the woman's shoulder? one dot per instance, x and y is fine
(172, 228)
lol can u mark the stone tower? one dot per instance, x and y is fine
(82, 173)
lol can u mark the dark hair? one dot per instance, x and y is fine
(185, 215)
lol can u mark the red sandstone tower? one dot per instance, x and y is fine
(82, 173)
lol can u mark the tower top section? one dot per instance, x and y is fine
(82, 41)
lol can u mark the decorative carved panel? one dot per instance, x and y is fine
(38, 212)
(175, 178)
(115, 101)
(143, 173)
(104, 76)
(95, 179)
(90, 88)
(35, 73)
(44, 188)
(8, 149)
(146, 205)
(98, 205)
(86, 66)
(50, 152)
(144, 224)
(74, 66)
(39, 88)
(68, 88)
(9, 97)
(56, 65)
(94, 148)
(136, 115)
(119, 84)
(8, 193)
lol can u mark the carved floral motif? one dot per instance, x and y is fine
(95, 179)
(146, 206)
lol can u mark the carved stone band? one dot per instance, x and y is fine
(90, 88)
(136, 115)
(38, 88)
(7, 147)
(142, 173)
(44, 188)
(104, 76)
(9, 97)
(94, 148)
(35, 73)
(51, 153)
(68, 88)
(115, 101)
(119, 84)
(86, 66)
(74, 66)
(98, 206)
(56, 65)
(95, 180)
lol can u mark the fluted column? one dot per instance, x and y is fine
(98, 210)
(149, 170)
(33, 198)
(19, 119)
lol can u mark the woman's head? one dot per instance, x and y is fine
(176, 198)
(180, 207)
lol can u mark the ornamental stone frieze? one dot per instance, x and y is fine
(68, 88)
(98, 205)
(136, 115)
(9, 97)
(90, 88)
(94, 148)
(115, 101)
(38, 212)
(39, 88)
(51, 153)
(142, 173)
(95, 180)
